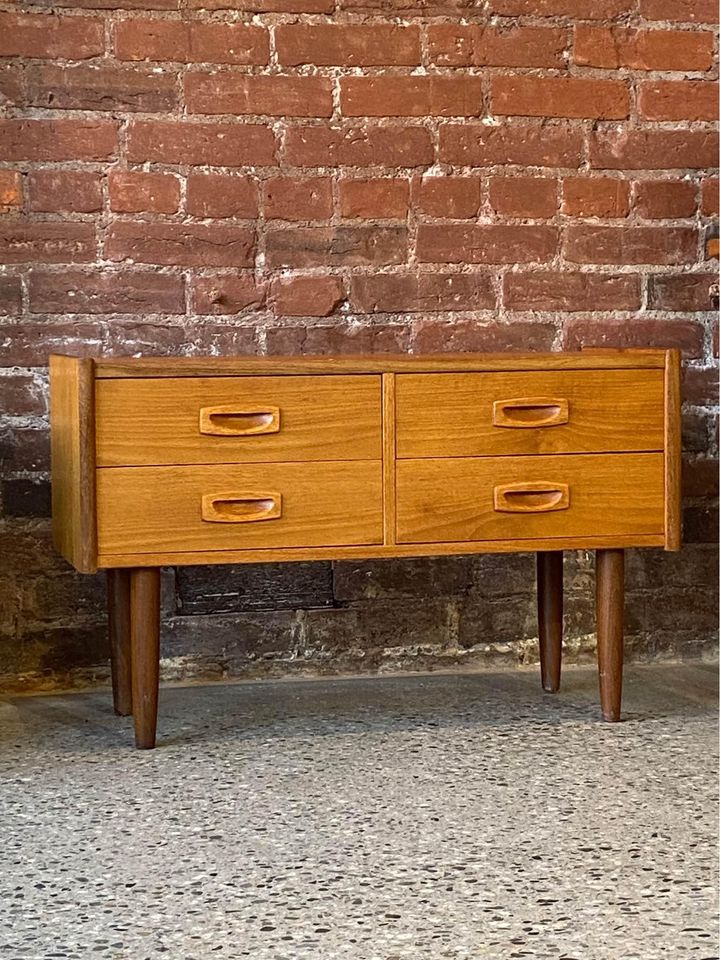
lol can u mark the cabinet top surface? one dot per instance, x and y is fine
(135, 367)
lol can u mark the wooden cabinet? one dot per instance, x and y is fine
(233, 460)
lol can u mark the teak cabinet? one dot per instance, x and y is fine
(241, 460)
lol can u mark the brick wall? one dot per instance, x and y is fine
(306, 176)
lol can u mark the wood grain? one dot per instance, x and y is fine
(550, 616)
(452, 415)
(673, 452)
(145, 643)
(388, 381)
(72, 455)
(118, 589)
(453, 499)
(154, 422)
(609, 608)
(154, 510)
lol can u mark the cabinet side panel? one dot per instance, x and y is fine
(72, 451)
(673, 452)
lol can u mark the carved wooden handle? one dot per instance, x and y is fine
(530, 412)
(241, 507)
(232, 421)
(533, 497)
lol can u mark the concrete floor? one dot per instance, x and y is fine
(416, 818)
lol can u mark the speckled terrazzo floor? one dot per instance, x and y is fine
(416, 818)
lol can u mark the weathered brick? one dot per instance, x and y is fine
(466, 336)
(297, 198)
(22, 395)
(391, 146)
(306, 296)
(458, 243)
(57, 139)
(613, 47)
(335, 246)
(454, 198)
(349, 45)
(254, 586)
(467, 45)
(581, 9)
(12, 83)
(218, 196)
(134, 191)
(617, 333)
(426, 96)
(685, 292)
(272, 95)
(27, 498)
(338, 340)
(678, 100)
(700, 385)
(191, 42)
(103, 291)
(266, 6)
(225, 294)
(101, 88)
(653, 149)
(181, 244)
(700, 478)
(632, 245)
(11, 191)
(710, 203)
(10, 296)
(26, 449)
(40, 242)
(32, 343)
(64, 191)
(421, 292)
(528, 96)
(184, 142)
(658, 199)
(526, 197)
(387, 198)
(51, 37)
(571, 291)
(679, 11)
(408, 8)
(595, 197)
(527, 145)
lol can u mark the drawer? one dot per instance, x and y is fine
(509, 498)
(237, 420)
(563, 411)
(225, 507)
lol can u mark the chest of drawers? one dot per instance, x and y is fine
(243, 460)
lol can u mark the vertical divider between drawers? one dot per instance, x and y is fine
(388, 447)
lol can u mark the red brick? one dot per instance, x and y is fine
(392, 146)
(32, 343)
(685, 292)
(226, 294)
(653, 149)
(459, 243)
(220, 144)
(57, 139)
(113, 4)
(22, 395)
(526, 96)
(658, 199)
(408, 8)
(525, 145)
(595, 197)
(428, 96)
(338, 340)
(190, 245)
(710, 204)
(306, 296)
(150, 337)
(12, 84)
(422, 292)
(701, 386)
(133, 191)
(678, 100)
(218, 196)
(468, 336)
(103, 291)
(101, 88)
(275, 96)
(349, 45)
(387, 198)
(266, 6)
(466, 45)
(634, 245)
(10, 296)
(619, 333)
(59, 191)
(47, 242)
(700, 478)
(191, 42)
(525, 197)
(571, 292)
(296, 198)
(335, 246)
(578, 9)
(51, 37)
(613, 47)
(10, 190)
(453, 198)
(680, 11)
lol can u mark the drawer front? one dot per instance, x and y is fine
(508, 498)
(238, 420)
(563, 411)
(225, 507)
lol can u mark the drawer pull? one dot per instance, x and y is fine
(531, 497)
(241, 507)
(530, 412)
(229, 421)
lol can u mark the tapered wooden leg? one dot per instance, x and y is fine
(610, 598)
(550, 616)
(118, 604)
(145, 644)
